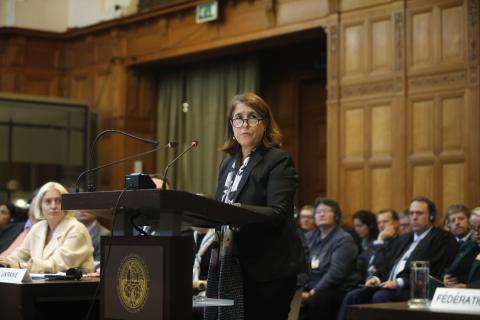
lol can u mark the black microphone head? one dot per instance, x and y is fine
(195, 143)
(172, 144)
(151, 141)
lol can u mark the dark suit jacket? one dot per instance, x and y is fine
(273, 249)
(379, 252)
(438, 247)
(96, 232)
(460, 267)
(9, 233)
(474, 275)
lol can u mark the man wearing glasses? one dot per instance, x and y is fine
(465, 269)
(425, 243)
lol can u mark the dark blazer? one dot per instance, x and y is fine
(336, 254)
(379, 252)
(9, 233)
(273, 249)
(474, 275)
(96, 232)
(460, 267)
(438, 247)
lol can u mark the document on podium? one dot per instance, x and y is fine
(200, 301)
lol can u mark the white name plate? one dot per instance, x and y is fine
(11, 275)
(454, 299)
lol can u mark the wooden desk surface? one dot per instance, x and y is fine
(41, 299)
(400, 311)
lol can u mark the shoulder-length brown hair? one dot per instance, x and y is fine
(272, 136)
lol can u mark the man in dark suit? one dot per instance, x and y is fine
(374, 257)
(425, 243)
(458, 217)
(464, 272)
(95, 229)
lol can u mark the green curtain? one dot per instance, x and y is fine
(208, 89)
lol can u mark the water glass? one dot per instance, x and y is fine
(419, 280)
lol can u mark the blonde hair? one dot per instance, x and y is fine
(476, 212)
(41, 193)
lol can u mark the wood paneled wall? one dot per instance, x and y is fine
(403, 90)
(403, 103)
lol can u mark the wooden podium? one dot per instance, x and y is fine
(150, 277)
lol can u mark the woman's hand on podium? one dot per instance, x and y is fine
(200, 285)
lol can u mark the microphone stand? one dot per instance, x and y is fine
(164, 184)
(101, 134)
(170, 145)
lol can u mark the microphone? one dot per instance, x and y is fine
(170, 145)
(164, 184)
(101, 134)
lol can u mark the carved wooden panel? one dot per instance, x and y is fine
(346, 5)
(381, 46)
(453, 186)
(102, 92)
(291, 11)
(422, 182)
(353, 46)
(146, 37)
(422, 127)
(40, 84)
(354, 133)
(354, 196)
(452, 34)
(381, 189)
(42, 54)
(438, 152)
(453, 123)
(381, 130)
(243, 17)
(437, 34)
(421, 39)
(81, 87)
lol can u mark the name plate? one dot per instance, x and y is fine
(11, 275)
(454, 299)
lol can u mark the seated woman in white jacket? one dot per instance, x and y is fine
(57, 242)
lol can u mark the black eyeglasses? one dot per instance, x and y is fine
(252, 122)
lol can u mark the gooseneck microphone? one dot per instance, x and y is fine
(164, 184)
(101, 134)
(170, 145)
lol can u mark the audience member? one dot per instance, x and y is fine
(365, 225)
(464, 272)
(404, 221)
(425, 242)
(14, 238)
(371, 259)
(333, 257)
(458, 222)
(203, 239)
(306, 220)
(7, 211)
(95, 229)
(57, 242)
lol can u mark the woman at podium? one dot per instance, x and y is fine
(57, 242)
(256, 265)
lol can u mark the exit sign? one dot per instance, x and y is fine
(207, 12)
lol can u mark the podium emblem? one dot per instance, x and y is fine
(133, 283)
